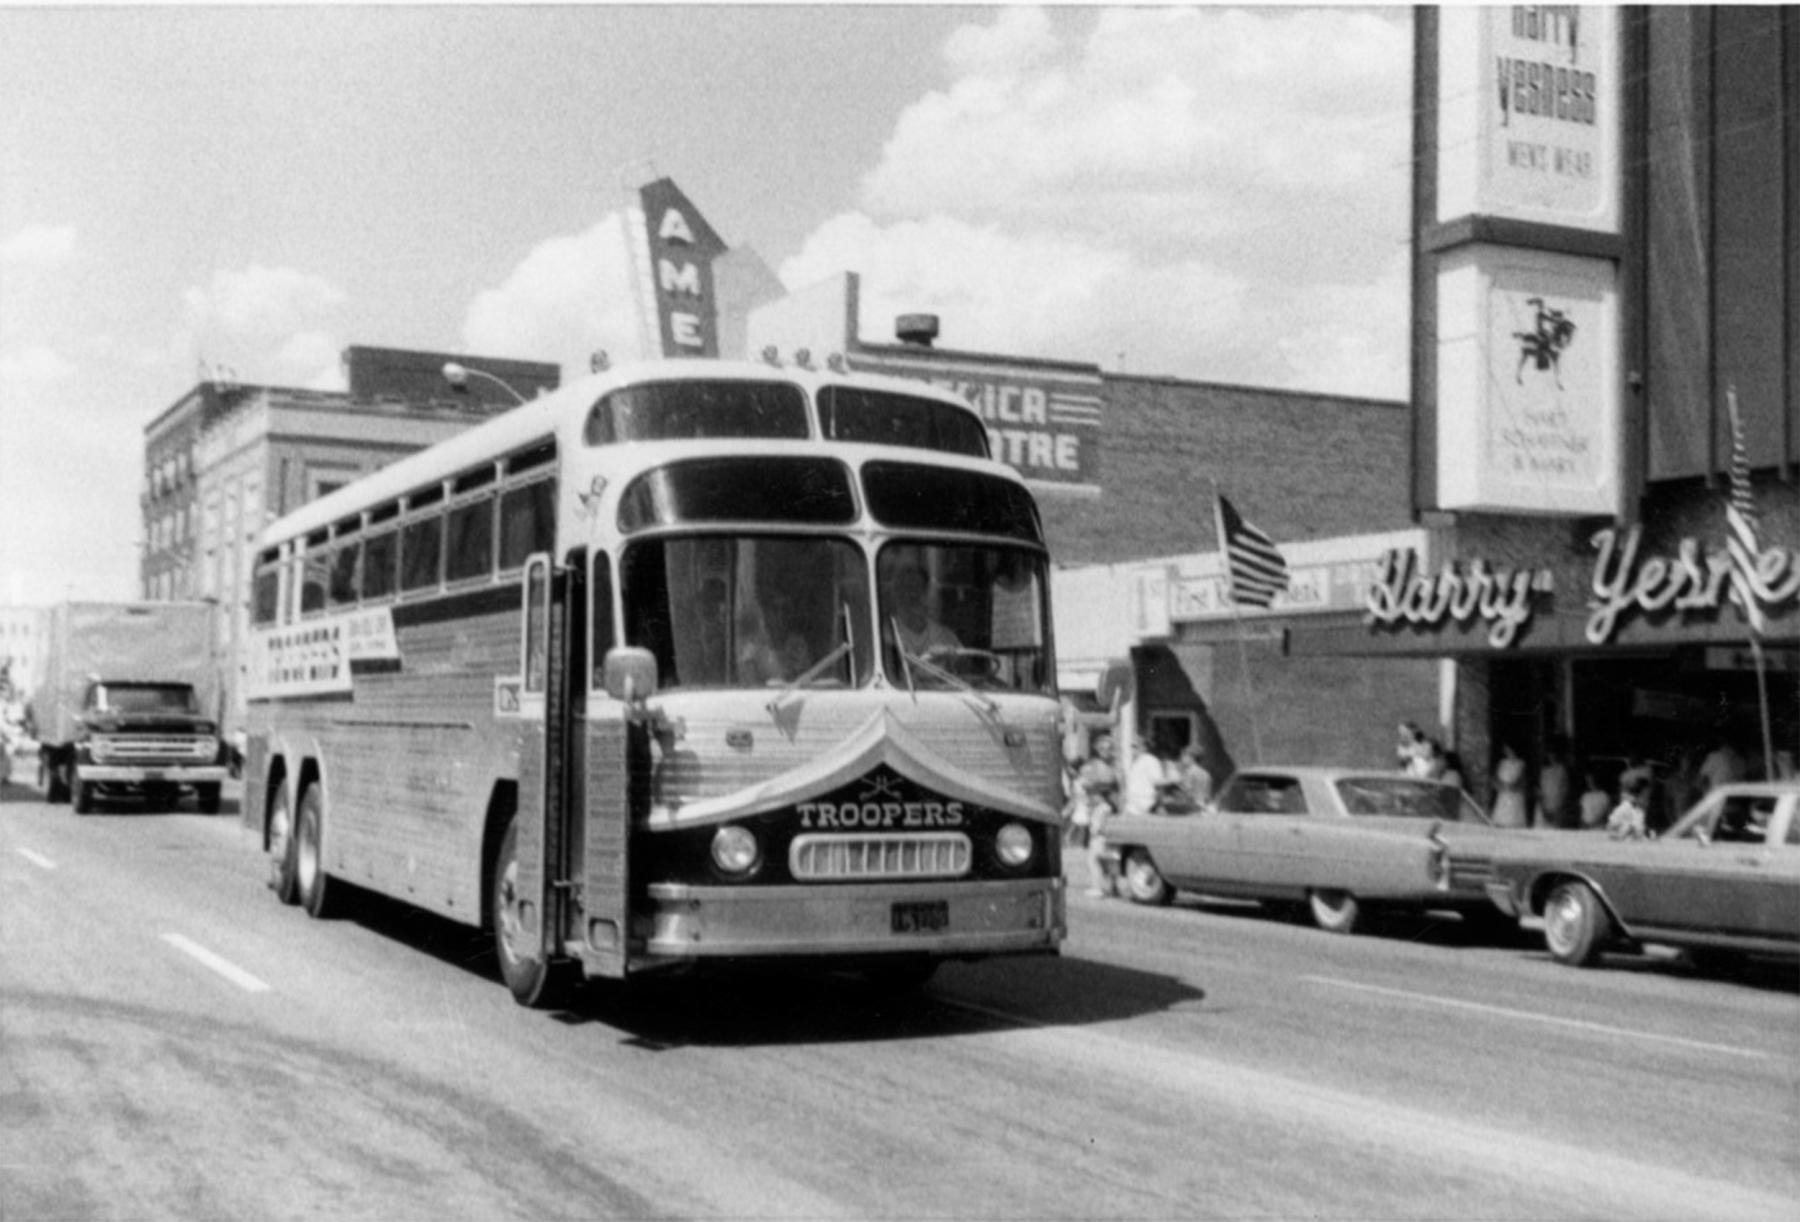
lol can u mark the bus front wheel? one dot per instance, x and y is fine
(534, 979)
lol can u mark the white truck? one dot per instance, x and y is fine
(122, 709)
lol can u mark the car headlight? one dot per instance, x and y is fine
(1013, 845)
(734, 850)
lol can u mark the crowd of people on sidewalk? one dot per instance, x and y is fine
(1154, 783)
(1641, 798)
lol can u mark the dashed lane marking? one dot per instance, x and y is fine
(37, 859)
(1535, 1017)
(225, 967)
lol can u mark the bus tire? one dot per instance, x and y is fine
(206, 797)
(284, 874)
(535, 981)
(319, 892)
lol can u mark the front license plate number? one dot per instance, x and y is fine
(930, 917)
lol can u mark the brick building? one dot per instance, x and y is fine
(226, 459)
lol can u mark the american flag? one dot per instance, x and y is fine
(1741, 526)
(1254, 570)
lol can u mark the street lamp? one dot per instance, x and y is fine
(459, 375)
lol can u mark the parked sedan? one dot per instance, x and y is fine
(1724, 879)
(1337, 841)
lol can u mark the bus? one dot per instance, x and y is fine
(683, 664)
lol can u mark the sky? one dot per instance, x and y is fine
(1206, 193)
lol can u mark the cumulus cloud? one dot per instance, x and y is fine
(1208, 193)
(260, 303)
(38, 245)
(570, 295)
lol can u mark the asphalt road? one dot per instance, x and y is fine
(175, 1044)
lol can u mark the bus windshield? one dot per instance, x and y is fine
(969, 612)
(664, 411)
(750, 611)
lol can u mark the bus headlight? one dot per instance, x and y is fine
(734, 850)
(1013, 845)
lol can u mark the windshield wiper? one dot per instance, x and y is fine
(908, 660)
(846, 646)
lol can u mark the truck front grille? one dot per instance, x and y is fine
(833, 858)
(154, 749)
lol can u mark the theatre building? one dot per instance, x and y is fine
(1606, 324)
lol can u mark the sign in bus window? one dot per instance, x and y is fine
(679, 410)
(537, 626)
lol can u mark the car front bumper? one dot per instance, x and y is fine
(140, 774)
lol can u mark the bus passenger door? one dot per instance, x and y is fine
(547, 906)
(606, 794)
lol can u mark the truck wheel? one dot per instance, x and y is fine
(81, 793)
(535, 981)
(283, 873)
(206, 797)
(319, 892)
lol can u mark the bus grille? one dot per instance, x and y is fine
(135, 748)
(829, 858)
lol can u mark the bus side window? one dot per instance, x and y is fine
(345, 572)
(380, 553)
(313, 581)
(421, 547)
(527, 522)
(469, 551)
(601, 585)
(267, 595)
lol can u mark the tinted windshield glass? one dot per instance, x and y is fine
(932, 498)
(976, 612)
(749, 611)
(815, 490)
(661, 411)
(1407, 798)
(850, 413)
(118, 698)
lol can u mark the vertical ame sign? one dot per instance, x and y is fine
(682, 249)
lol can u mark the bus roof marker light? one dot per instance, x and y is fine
(836, 363)
(771, 355)
(803, 357)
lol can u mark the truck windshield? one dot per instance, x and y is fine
(144, 698)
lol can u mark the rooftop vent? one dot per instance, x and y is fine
(917, 329)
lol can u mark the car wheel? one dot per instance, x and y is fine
(1576, 924)
(1334, 911)
(1144, 883)
(534, 980)
(320, 894)
(283, 871)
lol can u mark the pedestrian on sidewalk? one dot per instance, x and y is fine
(1098, 786)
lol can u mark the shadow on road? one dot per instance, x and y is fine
(747, 1004)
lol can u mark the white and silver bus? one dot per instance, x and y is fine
(683, 663)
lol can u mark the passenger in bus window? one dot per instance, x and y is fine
(771, 648)
(909, 607)
(713, 620)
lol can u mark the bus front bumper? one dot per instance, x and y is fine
(967, 919)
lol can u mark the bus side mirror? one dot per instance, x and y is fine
(629, 673)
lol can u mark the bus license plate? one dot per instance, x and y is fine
(930, 917)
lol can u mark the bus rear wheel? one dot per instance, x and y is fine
(535, 980)
(319, 893)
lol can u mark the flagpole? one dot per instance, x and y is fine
(1237, 619)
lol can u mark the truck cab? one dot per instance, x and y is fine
(139, 739)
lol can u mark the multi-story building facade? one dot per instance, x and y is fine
(1606, 347)
(224, 460)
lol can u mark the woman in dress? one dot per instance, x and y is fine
(1511, 809)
